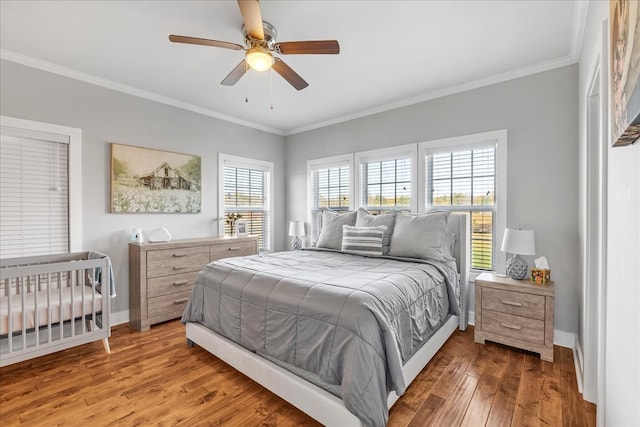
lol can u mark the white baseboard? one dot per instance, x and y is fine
(120, 317)
(577, 361)
(561, 338)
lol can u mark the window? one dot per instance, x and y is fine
(386, 179)
(461, 175)
(329, 188)
(40, 176)
(246, 190)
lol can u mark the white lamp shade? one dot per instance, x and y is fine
(519, 242)
(296, 228)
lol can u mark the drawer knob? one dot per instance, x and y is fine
(510, 326)
(512, 303)
(184, 282)
(181, 301)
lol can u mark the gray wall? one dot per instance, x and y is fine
(540, 113)
(107, 116)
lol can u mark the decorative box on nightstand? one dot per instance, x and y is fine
(515, 312)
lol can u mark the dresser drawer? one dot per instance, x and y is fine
(233, 249)
(169, 306)
(517, 303)
(173, 261)
(508, 325)
(171, 284)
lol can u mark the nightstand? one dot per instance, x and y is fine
(514, 312)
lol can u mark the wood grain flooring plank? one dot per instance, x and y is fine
(526, 410)
(457, 404)
(400, 415)
(428, 412)
(420, 388)
(480, 405)
(550, 403)
(504, 400)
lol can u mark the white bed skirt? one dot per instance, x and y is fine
(309, 398)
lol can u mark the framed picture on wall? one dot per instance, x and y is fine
(146, 180)
(624, 53)
(241, 228)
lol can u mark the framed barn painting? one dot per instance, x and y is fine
(624, 38)
(145, 180)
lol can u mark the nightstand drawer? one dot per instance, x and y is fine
(516, 303)
(173, 261)
(171, 284)
(521, 328)
(233, 249)
(171, 305)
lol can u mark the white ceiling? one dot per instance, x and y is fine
(393, 53)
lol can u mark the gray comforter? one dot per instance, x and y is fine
(349, 320)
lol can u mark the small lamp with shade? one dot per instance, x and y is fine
(296, 230)
(518, 242)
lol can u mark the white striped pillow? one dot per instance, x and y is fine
(363, 240)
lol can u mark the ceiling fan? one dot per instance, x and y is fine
(260, 39)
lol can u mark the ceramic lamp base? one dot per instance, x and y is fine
(517, 268)
(296, 244)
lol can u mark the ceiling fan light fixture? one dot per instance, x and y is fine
(259, 59)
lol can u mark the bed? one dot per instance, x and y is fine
(338, 335)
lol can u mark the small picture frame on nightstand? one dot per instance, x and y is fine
(241, 228)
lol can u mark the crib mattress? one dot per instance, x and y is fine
(84, 301)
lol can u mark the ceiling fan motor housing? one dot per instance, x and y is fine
(270, 35)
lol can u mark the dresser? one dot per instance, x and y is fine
(161, 275)
(514, 312)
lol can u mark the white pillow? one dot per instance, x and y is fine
(331, 233)
(420, 236)
(363, 240)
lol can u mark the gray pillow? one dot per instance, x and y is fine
(331, 234)
(365, 219)
(419, 236)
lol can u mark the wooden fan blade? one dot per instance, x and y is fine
(252, 17)
(205, 42)
(331, 47)
(288, 74)
(235, 74)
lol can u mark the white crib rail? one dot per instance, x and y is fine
(50, 303)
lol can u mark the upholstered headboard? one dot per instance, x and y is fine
(459, 223)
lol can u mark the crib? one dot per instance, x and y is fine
(53, 302)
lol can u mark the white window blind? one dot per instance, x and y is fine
(34, 195)
(465, 181)
(246, 192)
(386, 184)
(330, 189)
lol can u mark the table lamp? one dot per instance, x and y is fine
(296, 230)
(518, 242)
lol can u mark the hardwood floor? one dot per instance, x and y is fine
(153, 378)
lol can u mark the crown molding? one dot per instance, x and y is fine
(452, 90)
(580, 12)
(130, 90)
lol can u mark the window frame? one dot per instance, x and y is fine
(72, 136)
(326, 163)
(381, 154)
(246, 163)
(477, 140)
